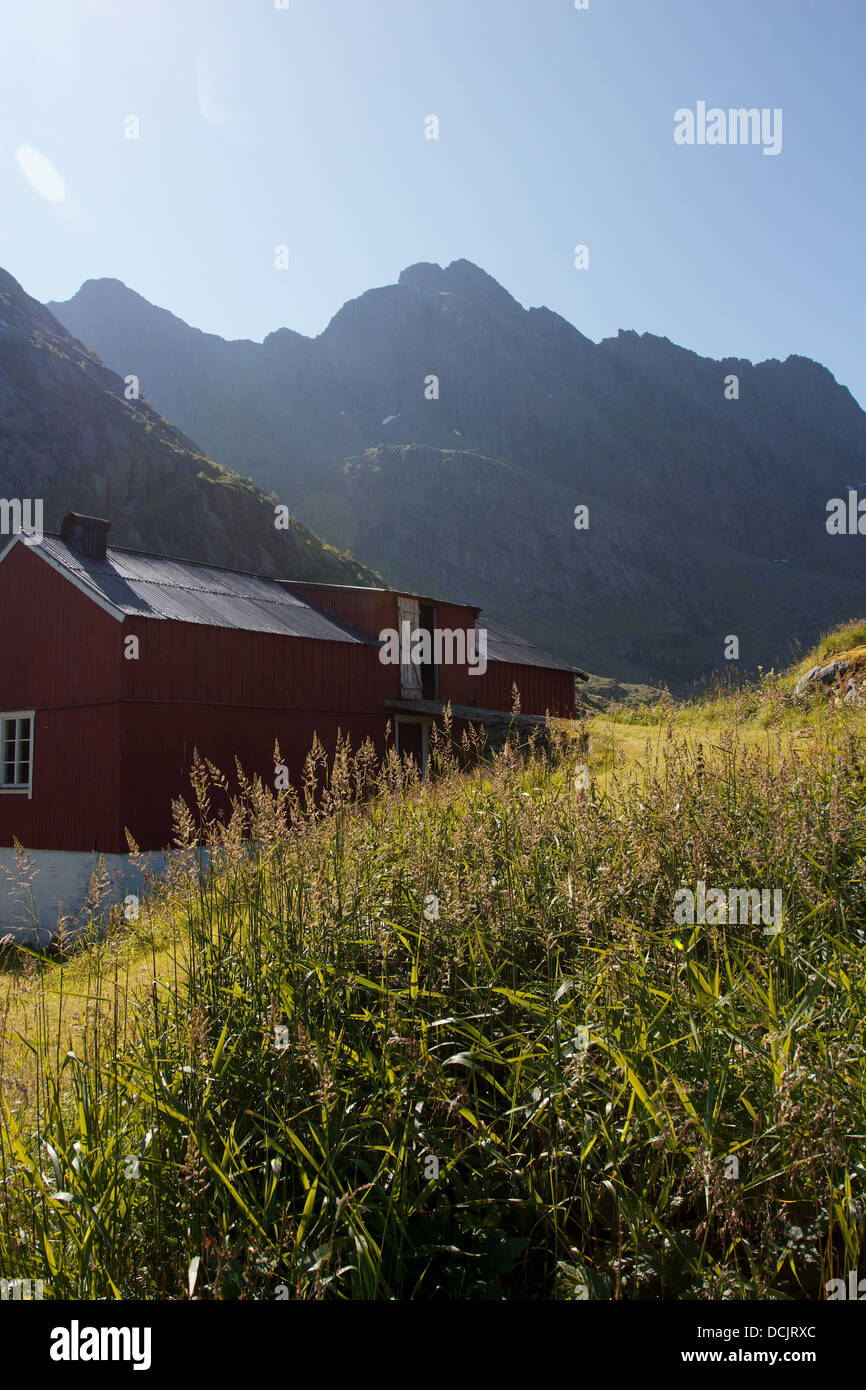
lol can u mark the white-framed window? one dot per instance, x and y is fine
(16, 751)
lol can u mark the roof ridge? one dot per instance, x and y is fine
(241, 605)
(177, 560)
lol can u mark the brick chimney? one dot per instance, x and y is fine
(89, 534)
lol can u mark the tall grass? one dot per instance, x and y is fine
(445, 1040)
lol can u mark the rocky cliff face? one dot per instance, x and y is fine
(69, 437)
(706, 514)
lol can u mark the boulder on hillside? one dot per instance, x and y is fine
(844, 675)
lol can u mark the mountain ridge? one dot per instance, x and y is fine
(635, 426)
(69, 436)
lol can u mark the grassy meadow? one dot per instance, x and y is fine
(446, 1039)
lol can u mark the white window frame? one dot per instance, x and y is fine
(408, 611)
(22, 788)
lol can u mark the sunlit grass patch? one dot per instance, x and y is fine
(446, 1040)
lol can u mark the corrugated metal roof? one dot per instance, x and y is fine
(185, 591)
(507, 646)
(154, 586)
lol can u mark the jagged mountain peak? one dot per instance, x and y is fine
(107, 291)
(109, 283)
(113, 300)
(461, 276)
(72, 436)
(636, 428)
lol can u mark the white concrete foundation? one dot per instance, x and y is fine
(31, 901)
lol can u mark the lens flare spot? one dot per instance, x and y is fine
(41, 174)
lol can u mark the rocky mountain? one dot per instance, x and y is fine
(70, 437)
(446, 435)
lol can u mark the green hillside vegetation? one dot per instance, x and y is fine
(599, 692)
(538, 1085)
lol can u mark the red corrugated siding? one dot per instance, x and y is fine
(58, 646)
(114, 738)
(374, 612)
(159, 742)
(230, 694)
(61, 658)
(190, 663)
(368, 610)
(542, 690)
(76, 784)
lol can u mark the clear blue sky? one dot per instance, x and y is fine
(305, 126)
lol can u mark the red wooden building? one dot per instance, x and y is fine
(119, 664)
